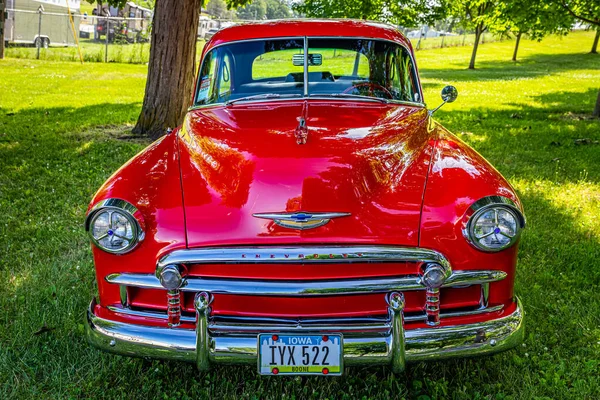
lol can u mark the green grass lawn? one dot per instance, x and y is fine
(64, 128)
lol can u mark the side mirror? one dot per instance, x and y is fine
(449, 95)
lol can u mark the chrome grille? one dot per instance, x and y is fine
(304, 288)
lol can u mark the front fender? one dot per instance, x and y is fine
(151, 182)
(458, 177)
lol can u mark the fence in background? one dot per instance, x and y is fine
(466, 39)
(102, 39)
(126, 40)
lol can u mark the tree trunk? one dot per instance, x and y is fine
(597, 109)
(171, 67)
(517, 46)
(596, 39)
(478, 32)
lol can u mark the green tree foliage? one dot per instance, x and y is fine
(481, 16)
(398, 12)
(234, 4)
(219, 9)
(216, 8)
(277, 9)
(255, 10)
(535, 19)
(586, 11)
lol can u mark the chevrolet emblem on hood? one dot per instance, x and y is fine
(301, 220)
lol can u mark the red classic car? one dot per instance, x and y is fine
(308, 215)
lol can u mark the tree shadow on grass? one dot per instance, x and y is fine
(40, 138)
(528, 67)
(563, 100)
(551, 141)
(26, 123)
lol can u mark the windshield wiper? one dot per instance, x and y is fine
(263, 96)
(350, 95)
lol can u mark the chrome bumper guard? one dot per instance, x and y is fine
(385, 343)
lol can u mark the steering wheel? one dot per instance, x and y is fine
(372, 87)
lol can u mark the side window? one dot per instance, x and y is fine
(393, 68)
(225, 76)
(206, 83)
(400, 75)
(407, 78)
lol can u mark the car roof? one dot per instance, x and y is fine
(308, 27)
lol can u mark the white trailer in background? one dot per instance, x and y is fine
(23, 22)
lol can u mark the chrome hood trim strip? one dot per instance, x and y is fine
(301, 255)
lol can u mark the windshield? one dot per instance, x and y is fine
(369, 69)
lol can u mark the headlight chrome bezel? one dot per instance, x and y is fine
(483, 205)
(125, 209)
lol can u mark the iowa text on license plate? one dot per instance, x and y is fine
(299, 354)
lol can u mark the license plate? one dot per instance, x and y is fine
(299, 354)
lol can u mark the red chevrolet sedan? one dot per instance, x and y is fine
(308, 215)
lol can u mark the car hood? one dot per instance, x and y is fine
(368, 160)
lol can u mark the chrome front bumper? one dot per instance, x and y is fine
(387, 344)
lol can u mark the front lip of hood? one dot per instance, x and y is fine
(366, 159)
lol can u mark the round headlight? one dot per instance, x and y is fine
(495, 226)
(112, 226)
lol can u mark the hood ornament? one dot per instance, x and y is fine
(301, 131)
(301, 220)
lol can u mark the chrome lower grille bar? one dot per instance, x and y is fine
(267, 324)
(306, 288)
